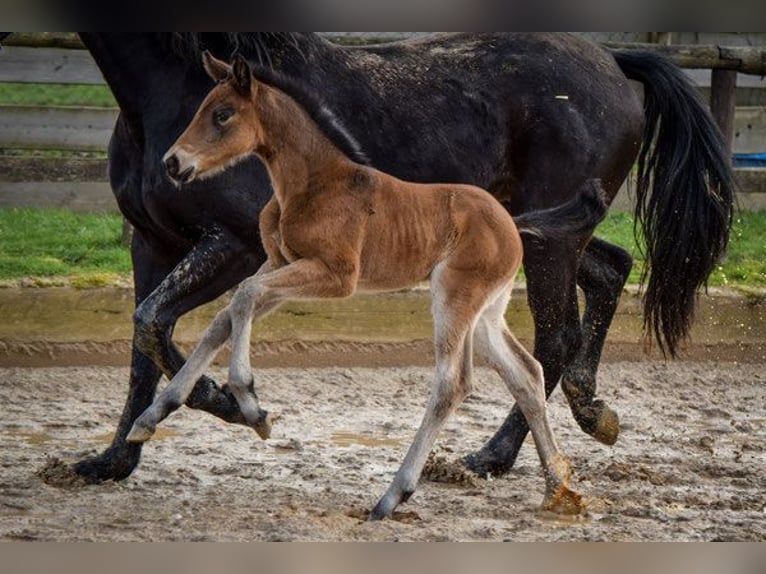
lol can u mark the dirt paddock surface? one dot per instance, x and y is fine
(689, 464)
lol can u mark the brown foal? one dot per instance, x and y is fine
(335, 226)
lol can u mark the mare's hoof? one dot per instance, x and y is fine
(264, 425)
(484, 465)
(565, 502)
(140, 433)
(606, 426)
(594, 417)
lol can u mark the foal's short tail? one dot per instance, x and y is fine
(578, 216)
(684, 194)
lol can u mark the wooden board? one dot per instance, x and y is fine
(750, 130)
(48, 66)
(84, 196)
(39, 127)
(34, 168)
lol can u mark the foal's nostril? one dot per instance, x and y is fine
(172, 166)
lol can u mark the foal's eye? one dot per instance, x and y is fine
(222, 116)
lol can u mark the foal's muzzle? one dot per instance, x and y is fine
(173, 167)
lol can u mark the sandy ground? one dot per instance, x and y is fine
(689, 464)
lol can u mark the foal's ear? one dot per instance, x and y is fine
(243, 75)
(215, 68)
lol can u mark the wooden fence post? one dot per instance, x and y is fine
(723, 86)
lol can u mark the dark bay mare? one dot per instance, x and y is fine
(530, 117)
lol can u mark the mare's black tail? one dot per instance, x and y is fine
(580, 215)
(684, 195)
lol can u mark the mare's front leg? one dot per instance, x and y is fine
(216, 263)
(256, 297)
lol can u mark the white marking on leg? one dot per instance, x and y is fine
(250, 302)
(523, 375)
(447, 392)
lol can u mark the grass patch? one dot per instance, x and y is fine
(745, 263)
(58, 243)
(56, 95)
(86, 249)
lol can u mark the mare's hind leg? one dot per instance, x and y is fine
(603, 271)
(453, 326)
(523, 376)
(552, 293)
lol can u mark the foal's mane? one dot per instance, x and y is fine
(256, 48)
(313, 104)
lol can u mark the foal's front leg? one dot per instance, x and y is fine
(182, 384)
(250, 302)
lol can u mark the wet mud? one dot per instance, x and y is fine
(688, 465)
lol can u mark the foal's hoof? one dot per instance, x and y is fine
(140, 432)
(379, 513)
(264, 424)
(564, 501)
(386, 506)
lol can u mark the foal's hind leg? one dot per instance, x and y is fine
(552, 293)
(523, 376)
(453, 327)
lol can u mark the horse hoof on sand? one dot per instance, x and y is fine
(607, 427)
(263, 426)
(564, 502)
(377, 514)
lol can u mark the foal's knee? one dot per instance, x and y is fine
(242, 302)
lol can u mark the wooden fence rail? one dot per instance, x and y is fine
(49, 127)
(81, 184)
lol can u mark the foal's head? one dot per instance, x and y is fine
(225, 128)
